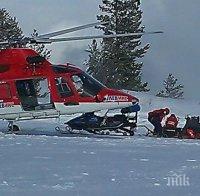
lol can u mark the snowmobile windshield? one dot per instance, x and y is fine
(86, 84)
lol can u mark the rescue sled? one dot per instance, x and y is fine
(191, 130)
(172, 132)
(166, 132)
(123, 123)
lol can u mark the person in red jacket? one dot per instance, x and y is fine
(171, 122)
(155, 118)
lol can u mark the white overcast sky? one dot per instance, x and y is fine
(176, 51)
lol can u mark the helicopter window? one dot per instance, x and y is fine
(42, 90)
(63, 87)
(27, 94)
(86, 85)
(4, 68)
(5, 91)
(78, 84)
(26, 88)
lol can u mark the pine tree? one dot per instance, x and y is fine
(117, 65)
(40, 48)
(10, 30)
(95, 61)
(172, 89)
(9, 26)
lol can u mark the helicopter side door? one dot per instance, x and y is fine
(34, 94)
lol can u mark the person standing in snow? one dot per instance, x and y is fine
(155, 118)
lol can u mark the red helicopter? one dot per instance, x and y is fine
(33, 88)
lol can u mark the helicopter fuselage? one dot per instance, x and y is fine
(31, 87)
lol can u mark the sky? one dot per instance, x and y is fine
(176, 51)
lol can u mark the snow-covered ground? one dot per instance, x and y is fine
(51, 165)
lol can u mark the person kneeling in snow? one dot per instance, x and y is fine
(155, 118)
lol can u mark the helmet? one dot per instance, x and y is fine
(166, 111)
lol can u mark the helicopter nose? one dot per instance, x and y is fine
(133, 99)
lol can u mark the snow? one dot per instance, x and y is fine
(53, 165)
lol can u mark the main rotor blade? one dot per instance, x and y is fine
(96, 37)
(56, 33)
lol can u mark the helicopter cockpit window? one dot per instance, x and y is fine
(78, 84)
(63, 87)
(86, 85)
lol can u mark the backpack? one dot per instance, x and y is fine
(171, 122)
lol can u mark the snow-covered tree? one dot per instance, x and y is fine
(115, 61)
(9, 27)
(10, 31)
(171, 88)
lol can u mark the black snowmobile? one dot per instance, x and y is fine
(191, 130)
(123, 123)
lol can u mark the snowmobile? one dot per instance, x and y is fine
(123, 123)
(191, 130)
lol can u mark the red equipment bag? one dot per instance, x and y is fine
(171, 122)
